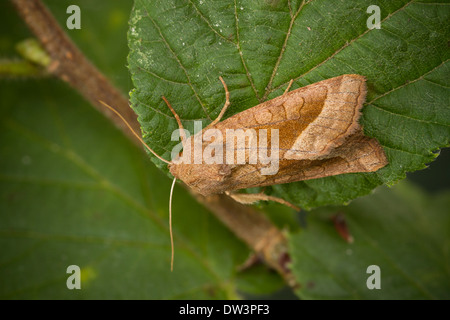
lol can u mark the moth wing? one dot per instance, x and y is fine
(319, 136)
(358, 154)
(342, 99)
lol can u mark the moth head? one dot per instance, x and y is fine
(205, 179)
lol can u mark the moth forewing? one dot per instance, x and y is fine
(338, 117)
(318, 136)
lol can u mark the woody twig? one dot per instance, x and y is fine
(70, 65)
(252, 227)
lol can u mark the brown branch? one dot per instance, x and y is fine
(252, 227)
(70, 65)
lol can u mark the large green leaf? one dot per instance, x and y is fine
(179, 48)
(401, 230)
(75, 191)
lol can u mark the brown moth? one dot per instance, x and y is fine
(319, 136)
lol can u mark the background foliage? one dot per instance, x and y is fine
(73, 190)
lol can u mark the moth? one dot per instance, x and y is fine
(319, 136)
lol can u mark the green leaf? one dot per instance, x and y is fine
(179, 48)
(75, 191)
(401, 230)
(258, 281)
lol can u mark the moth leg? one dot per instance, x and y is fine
(225, 106)
(180, 125)
(288, 87)
(250, 198)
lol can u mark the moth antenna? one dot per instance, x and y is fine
(180, 125)
(135, 134)
(288, 87)
(170, 222)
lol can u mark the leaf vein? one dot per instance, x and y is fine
(283, 49)
(408, 83)
(343, 47)
(409, 117)
(160, 77)
(180, 64)
(202, 16)
(241, 55)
